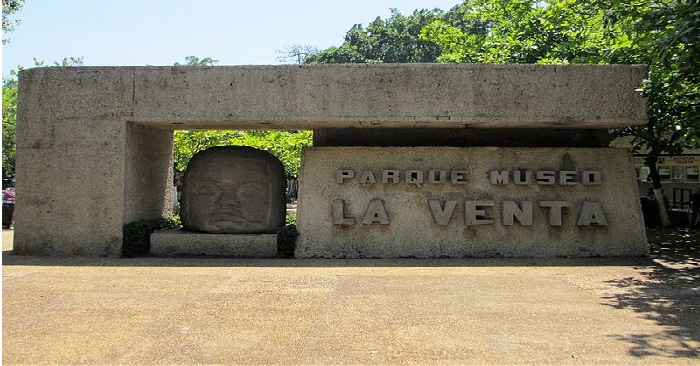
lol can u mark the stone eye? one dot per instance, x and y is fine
(249, 190)
(205, 189)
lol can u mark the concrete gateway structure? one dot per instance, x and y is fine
(409, 160)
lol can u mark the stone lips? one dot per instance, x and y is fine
(413, 231)
(233, 190)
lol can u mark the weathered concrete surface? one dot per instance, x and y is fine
(93, 143)
(183, 242)
(148, 179)
(448, 311)
(412, 228)
(408, 95)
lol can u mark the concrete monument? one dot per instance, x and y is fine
(232, 204)
(409, 160)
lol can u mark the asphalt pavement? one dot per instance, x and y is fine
(148, 311)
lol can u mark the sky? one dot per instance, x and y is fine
(162, 32)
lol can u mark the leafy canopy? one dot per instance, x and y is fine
(396, 39)
(663, 34)
(9, 8)
(285, 145)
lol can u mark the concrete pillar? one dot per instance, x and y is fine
(148, 179)
(71, 144)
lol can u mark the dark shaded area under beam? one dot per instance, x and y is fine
(460, 137)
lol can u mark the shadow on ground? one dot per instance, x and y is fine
(665, 289)
(8, 259)
(669, 295)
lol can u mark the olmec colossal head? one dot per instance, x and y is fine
(233, 190)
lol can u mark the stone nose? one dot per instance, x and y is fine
(228, 199)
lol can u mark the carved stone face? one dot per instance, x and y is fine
(233, 190)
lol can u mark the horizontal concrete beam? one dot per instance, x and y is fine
(352, 95)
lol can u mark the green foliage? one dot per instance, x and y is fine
(195, 61)
(396, 39)
(285, 145)
(137, 235)
(290, 219)
(660, 33)
(9, 119)
(295, 53)
(560, 31)
(287, 241)
(66, 62)
(9, 8)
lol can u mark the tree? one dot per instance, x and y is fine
(295, 53)
(285, 145)
(660, 33)
(9, 119)
(66, 62)
(9, 8)
(396, 39)
(195, 61)
(671, 31)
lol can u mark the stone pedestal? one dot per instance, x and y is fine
(183, 242)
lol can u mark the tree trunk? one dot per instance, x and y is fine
(658, 193)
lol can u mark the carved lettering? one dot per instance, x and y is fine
(367, 177)
(591, 214)
(591, 178)
(498, 177)
(475, 212)
(522, 213)
(338, 214)
(458, 177)
(375, 213)
(440, 177)
(555, 211)
(344, 174)
(522, 177)
(545, 177)
(442, 215)
(392, 175)
(567, 177)
(414, 176)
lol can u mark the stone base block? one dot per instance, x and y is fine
(183, 242)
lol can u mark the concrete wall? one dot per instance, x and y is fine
(412, 229)
(93, 142)
(391, 95)
(71, 143)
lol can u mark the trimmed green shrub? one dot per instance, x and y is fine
(137, 234)
(287, 241)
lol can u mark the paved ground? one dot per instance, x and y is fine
(447, 311)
